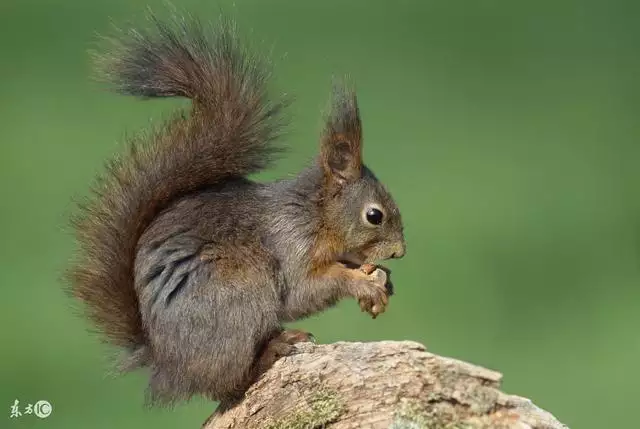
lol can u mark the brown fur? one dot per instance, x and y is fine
(172, 160)
(190, 266)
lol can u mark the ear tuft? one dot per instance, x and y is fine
(342, 141)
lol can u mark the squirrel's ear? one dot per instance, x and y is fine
(341, 150)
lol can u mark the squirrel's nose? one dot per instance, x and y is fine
(400, 250)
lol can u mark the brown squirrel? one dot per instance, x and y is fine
(190, 266)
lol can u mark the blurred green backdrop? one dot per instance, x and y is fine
(507, 130)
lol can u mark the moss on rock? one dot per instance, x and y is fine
(324, 406)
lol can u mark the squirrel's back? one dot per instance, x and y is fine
(228, 133)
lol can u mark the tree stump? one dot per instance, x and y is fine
(378, 385)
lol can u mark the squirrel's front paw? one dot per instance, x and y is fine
(371, 292)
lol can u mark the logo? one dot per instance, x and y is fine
(42, 409)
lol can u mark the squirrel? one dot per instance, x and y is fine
(187, 264)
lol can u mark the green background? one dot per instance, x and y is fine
(507, 130)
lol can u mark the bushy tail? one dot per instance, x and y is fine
(229, 132)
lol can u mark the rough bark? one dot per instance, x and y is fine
(390, 385)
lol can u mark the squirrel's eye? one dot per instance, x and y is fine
(374, 216)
